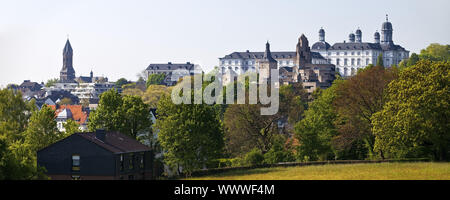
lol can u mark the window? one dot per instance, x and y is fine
(130, 161)
(359, 53)
(141, 164)
(358, 62)
(367, 61)
(75, 162)
(353, 61)
(75, 177)
(353, 53)
(121, 163)
(345, 53)
(367, 53)
(337, 61)
(345, 61)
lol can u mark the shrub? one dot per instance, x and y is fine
(254, 157)
(278, 154)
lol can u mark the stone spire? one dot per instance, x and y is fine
(267, 54)
(67, 74)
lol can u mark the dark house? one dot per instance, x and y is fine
(97, 155)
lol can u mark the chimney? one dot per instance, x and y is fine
(100, 134)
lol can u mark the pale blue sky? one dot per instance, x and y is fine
(120, 38)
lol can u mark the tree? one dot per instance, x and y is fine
(191, 134)
(65, 101)
(358, 99)
(155, 79)
(107, 115)
(413, 59)
(136, 116)
(120, 82)
(317, 129)
(127, 114)
(154, 93)
(14, 114)
(436, 52)
(278, 152)
(293, 100)
(246, 128)
(415, 120)
(71, 127)
(17, 159)
(380, 60)
(42, 130)
(51, 82)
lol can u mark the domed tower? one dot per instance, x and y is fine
(351, 37)
(321, 45)
(322, 35)
(386, 32)
(358, 35)
(376, 37)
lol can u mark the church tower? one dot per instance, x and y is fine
(266, 64)
(67, 74)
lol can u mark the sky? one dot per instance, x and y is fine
(121, 38)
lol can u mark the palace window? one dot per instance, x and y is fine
(358, 62)
(353, 61)
(345, 61)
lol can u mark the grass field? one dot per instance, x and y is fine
(376, 171)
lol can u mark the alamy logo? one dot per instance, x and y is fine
(213, 93)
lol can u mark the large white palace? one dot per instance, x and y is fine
(349, 56)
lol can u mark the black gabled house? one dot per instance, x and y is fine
(99, 155)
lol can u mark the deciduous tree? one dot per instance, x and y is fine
(415, 120)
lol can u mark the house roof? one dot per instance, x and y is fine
(115, 142)
(77, 112)
(171, 66)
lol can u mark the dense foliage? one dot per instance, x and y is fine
(415, 120)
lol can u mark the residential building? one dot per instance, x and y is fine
(173, 71)
(73, 112)
(99, 155)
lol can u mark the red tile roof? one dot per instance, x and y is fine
(77, 112)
